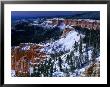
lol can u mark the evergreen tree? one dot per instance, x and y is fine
(51, 70)
(67, 59)
(67, 72)
(87, 55)
(80, 45)
(36, 72)
(60, 63)
(94, 55)
(72, 67)
(76, 46)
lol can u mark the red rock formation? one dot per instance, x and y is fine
(20, 59)
(65, 32)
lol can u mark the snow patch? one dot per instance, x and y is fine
(13, 74)
(63, 44)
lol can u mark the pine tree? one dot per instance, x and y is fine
(67, 72)
(76, 46)
(51, 69)
(94, 54)
(72, 67)
(87, 55)
(89, 37)
(67, 59)
(36, 72)
(76, 62)
(80, 45)
(60, 63)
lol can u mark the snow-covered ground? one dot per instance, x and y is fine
(66, 44)
(63, 44)
(13, 73)
(71, 66)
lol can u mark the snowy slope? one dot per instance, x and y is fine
(66, 60)
(80, 64)
(66, 45)
(63, 44)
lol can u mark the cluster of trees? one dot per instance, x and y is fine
(92, 38)
(73, 61)
(24, 33)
